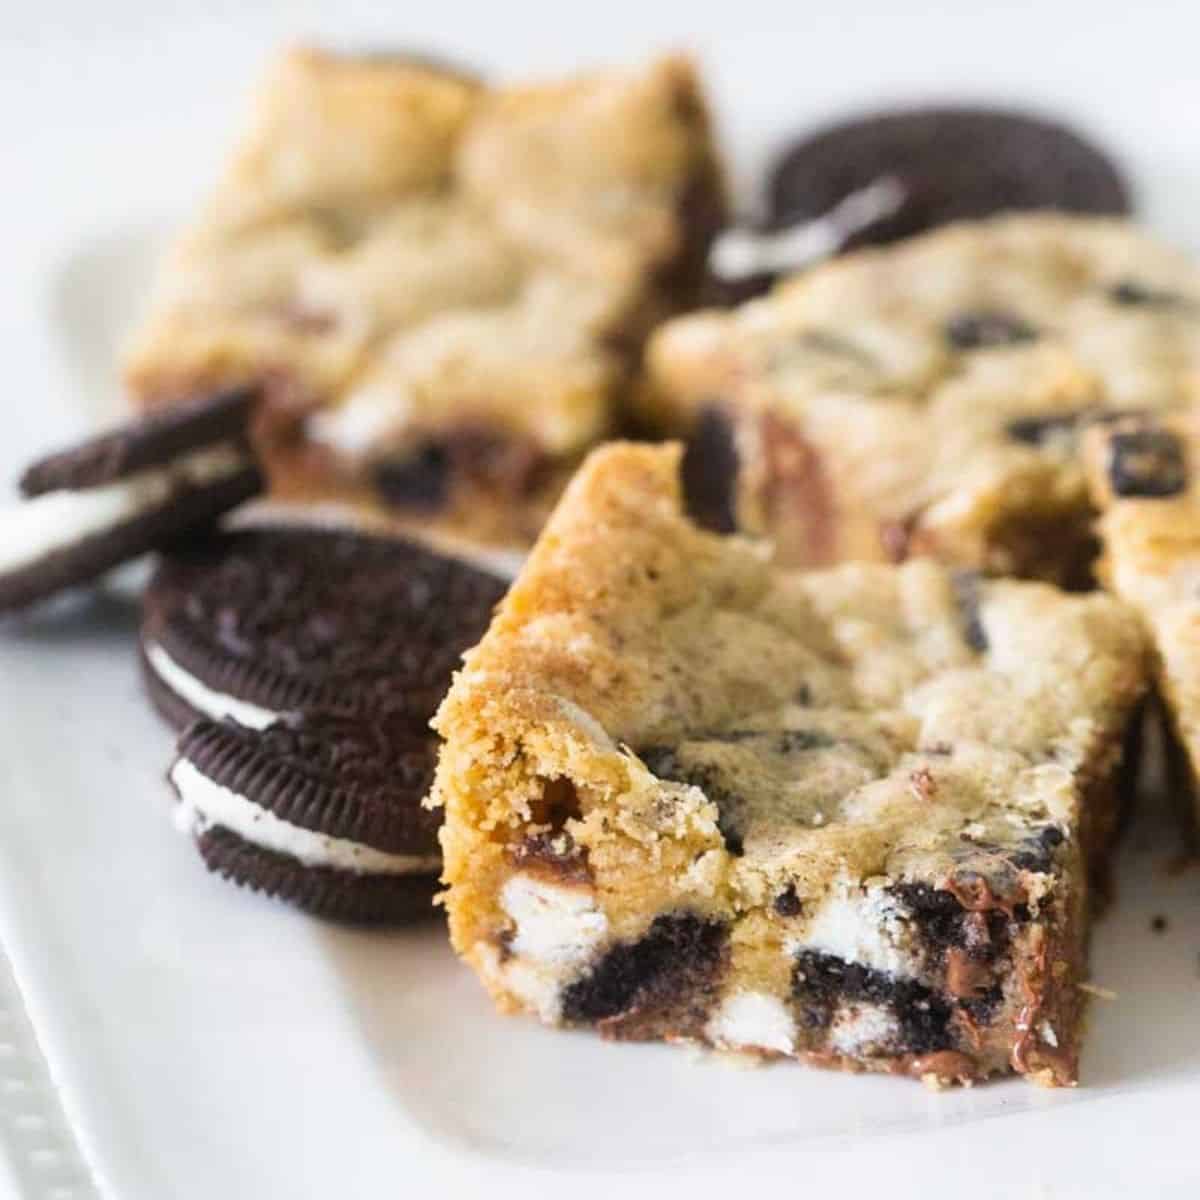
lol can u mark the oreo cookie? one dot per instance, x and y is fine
(889, 175)
(118, 496)
(257, 623)
(319, 810)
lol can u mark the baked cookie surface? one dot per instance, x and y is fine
(847, 815)
(1142, 473)
(927, 398)
(441, 286)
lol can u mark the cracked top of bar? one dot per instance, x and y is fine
(399, 244)
(1005, 336)
(730, 729)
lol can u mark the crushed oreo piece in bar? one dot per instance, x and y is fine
(983, 330)
(1138, 295)
(966, 592)
(1147, 462)
(1038, 430)
(787, 903)
(665, 763)
(709, 473)
(676, 945)
(420, 480)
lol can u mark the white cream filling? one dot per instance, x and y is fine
(556, 926)
(557, 931)
(34, 529)
(862, 1029)
(753, 1021)
(203, 803)
(214, 704)
(860, 925)
(364, 422)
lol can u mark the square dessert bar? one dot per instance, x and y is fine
(849, 815)
(926, 398)
(1143, 477)
(441, 286)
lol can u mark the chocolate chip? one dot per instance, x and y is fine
(420, 480)
(787, 903)
(1133, 294)
(709, 473)
(985, 329)
(966, 593)
(1147, 462)
(674, 951)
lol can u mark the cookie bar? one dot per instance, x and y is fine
(926, 398)
(440, 286)
(1142, 475)
(848, 816)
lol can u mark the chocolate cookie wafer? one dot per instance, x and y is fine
(890, 175)
(259, 622)
(117, 496)
(322, 811)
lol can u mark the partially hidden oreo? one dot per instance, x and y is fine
(256, 623)
(954, 163)
(129, 491)
(889, 175)
(319, 810)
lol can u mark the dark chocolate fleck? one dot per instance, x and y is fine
(1133, 294)
(985, 329)
(1159, 924)
(1147, 462)
(1038, 430)
(421, 480)
(674, 947)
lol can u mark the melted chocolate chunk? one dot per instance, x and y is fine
(420, 480)
(1133, 294)
(822, 982)
(982, 330)
(1147, 462)
(966, 592)
(709, 473)
(674, 950)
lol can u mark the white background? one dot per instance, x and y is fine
(210, 1045)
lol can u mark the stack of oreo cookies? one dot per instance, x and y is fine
(300, 665)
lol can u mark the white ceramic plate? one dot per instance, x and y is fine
(204, 1042)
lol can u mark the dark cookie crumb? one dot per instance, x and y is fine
(787, 903)
(1037, 431)
(1159, 924)
(1147, 462)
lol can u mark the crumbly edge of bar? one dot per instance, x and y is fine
(525, 776)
